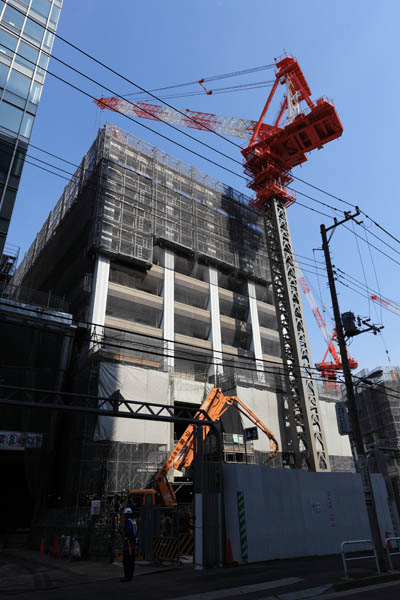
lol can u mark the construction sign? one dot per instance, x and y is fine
(19, 440)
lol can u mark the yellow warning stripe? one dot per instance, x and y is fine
(165, 547)
(186, 543)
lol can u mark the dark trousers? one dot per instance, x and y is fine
(129, 563)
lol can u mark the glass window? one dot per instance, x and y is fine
(1, 5)
(48, 41)
(55, 13)
(10, 117)
(27, 55)
(42, 7)
(18, 163)
(8, 43)
(3, 74)
(36, 92)
(5, 159)
(43, 62)
(27, 123)
(18, 84)
(14, 99)
(33, 32)
(13, 17)
(8, 202)
(16, 168)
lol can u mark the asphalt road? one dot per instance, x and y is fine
(26, 575)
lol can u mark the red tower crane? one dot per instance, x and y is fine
(386, 304)
(274, 149)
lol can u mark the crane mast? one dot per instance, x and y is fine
(274, 149)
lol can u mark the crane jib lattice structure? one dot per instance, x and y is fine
(274, 149)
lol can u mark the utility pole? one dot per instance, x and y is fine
(355, 436)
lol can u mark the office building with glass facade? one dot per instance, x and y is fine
(26, 39)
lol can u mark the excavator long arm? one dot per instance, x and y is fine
(244, 410)
(181, 457)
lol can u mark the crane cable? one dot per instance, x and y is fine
(256, 85)
(211, 78)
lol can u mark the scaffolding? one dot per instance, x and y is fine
(379, 411)
(144, 197)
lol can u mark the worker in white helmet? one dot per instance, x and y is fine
(130, 534)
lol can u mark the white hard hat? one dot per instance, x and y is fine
(128, 511)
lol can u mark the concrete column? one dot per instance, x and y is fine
(98, 302)
(255, 329)
(215, 333)
(168, 321)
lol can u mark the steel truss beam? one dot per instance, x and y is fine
(303, 426)
(24, 397)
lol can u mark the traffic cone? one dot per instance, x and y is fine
(229, 555)
(56, 547)
(42, 546)
(389, 544)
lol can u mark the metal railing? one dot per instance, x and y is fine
(30, 296)
(353, 542)
(389, 550)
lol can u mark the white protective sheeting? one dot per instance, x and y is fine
(290, 513)
(138, 384)
(190, 392)
(264, 404)
(338, 445)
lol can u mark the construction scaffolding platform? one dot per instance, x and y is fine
(144, 198)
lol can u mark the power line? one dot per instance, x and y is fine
(185, 133)
(363, 269)
(154, 350)
(123, 77)
(343, 273)
(173, 127)
(301, 262)
(83, 170)
(343, 277)
(184, 147)
(378, 238)
(372, 245)
(76, 48)
(72, 175)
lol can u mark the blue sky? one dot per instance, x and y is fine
(348, 51)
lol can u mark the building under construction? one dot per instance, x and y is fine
(167, 273)
(379, 414)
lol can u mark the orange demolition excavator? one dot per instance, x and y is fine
(181, 457)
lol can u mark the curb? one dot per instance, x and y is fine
(365, 581)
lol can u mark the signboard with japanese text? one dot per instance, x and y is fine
(19, 440)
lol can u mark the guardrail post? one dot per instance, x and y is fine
(374, 555)
(387, 549)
